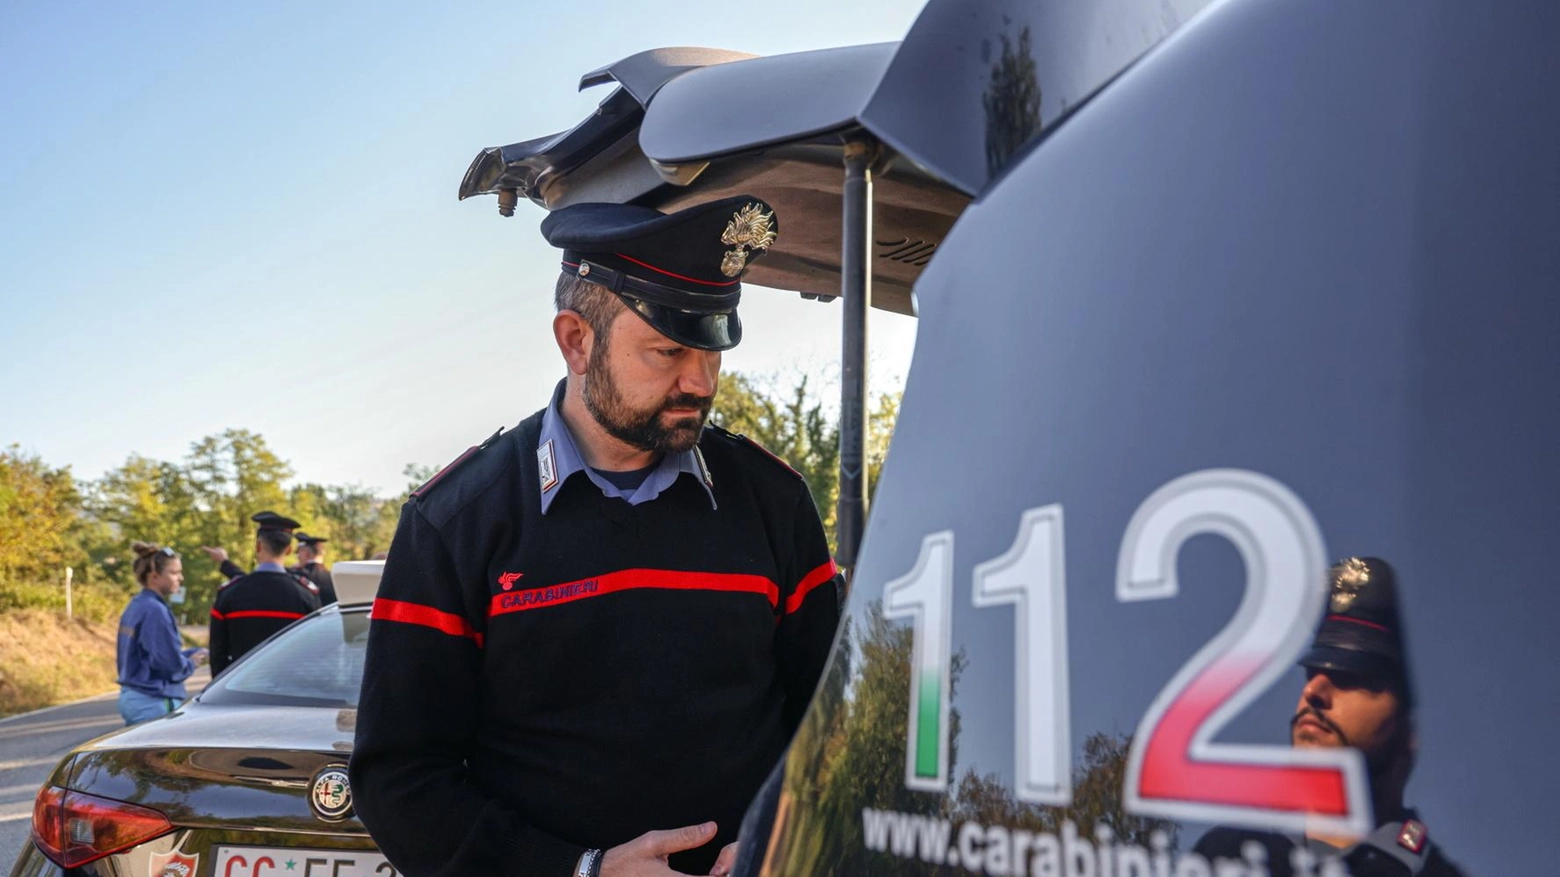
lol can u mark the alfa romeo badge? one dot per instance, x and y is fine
(330, 795)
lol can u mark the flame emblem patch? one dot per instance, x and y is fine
(751, 228)
(1348, 581)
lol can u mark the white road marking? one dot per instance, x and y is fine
(50, 709)
(61, 725)
(29, 762)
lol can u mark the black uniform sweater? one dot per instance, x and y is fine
(250, 608)
(537, 685)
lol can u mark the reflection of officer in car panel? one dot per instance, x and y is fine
(1357, 694)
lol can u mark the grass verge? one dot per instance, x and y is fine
(46, 658)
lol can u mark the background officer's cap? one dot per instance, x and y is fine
(274, 521)
(1362, 631)
(306, 539)
(680, 272)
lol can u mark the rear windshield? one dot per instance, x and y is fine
(317, 661)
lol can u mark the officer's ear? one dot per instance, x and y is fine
(575, 340)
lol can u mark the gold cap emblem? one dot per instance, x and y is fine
(751, 228)
(1349, 578)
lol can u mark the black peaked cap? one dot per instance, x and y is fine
(306, 539)
(274, 521)
(680, 272)
(1362, 631)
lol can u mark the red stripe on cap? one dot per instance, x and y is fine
(1373, 624)
(678, 276)
(631, 580)
(427, 616)
(261, 613)
(819, 576)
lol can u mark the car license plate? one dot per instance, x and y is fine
(296, 862)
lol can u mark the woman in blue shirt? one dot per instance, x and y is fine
(152, 666)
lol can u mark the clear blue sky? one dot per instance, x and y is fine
(244, 215)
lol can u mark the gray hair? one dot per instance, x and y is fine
(595, 303)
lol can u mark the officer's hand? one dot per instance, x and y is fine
(645, 855)
(201, 656)
(725, 861)
(216, 554)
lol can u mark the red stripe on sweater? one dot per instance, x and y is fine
(819, 576)
(427, 616)
(630, 580)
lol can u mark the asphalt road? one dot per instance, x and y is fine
(31, 745)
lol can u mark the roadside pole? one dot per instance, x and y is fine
(856, 290)
(69, 573)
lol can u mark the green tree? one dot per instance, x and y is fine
(45, 528)
(206, 500)
(39, 510)
(352, 517)
(143, 499)
(795, 425)
(855, 735)
(1098, 780)
(1011, 101)
(232, 475)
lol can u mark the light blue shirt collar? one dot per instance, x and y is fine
(270, 566)
(558, 457)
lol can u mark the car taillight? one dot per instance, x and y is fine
(73, 828)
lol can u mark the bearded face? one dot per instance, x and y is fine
(1340, 709)
(643, 424)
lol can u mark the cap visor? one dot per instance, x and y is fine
(703, 331)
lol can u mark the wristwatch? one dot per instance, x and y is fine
(589, 864)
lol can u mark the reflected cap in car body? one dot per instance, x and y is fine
(680, 272)
(1362, 631)
(274, 521)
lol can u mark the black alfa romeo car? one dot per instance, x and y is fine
(248, 779)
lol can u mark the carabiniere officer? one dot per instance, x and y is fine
(251, 607)
(596, 633)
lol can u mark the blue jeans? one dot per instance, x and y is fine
(137, 707)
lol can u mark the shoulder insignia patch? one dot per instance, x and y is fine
(455, 464)
(312, 587)
(1413, 836)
